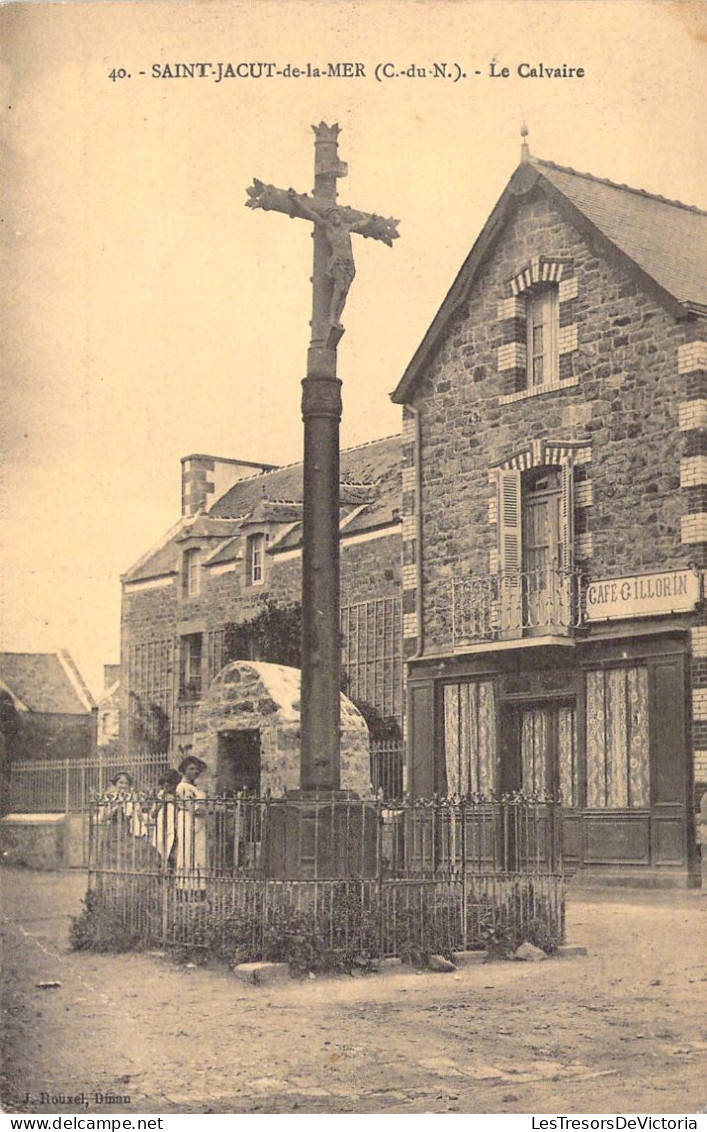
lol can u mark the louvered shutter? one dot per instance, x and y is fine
(566, 581)
(510, 552)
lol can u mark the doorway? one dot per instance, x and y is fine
(238, 762)
(540, 750)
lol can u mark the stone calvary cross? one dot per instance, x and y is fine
(332, 276)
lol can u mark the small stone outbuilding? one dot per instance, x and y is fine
(247, 731)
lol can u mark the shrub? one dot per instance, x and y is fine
(100, 927)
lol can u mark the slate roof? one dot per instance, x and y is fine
(370, 491)
(665, 240)
(46, 682)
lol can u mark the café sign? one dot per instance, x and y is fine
(642, 595)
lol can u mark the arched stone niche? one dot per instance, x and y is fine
(253, 709)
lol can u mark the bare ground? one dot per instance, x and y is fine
(619, 1030)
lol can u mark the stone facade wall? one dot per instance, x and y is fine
(618, 397)
(154, 616)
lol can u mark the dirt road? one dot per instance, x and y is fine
(619, 1030)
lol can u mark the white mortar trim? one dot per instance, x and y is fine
(537, 391)
(109, 692)
(538, 454)
(541, 269)
(184, 522)
(354, 514)
(351, 540)
(220, 548)
(15, 699)
(150, 583)
(75, 681)
(225, 567)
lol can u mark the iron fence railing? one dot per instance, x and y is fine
(388, 768)
(241, 872)
(488, 607)
(66, 786)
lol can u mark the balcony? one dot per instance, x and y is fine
(510, 606)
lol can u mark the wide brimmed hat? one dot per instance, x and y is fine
(191, 759)
(121, 774)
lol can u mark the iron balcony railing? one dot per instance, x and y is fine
(506, 606)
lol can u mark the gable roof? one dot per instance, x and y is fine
(46, 682)
(664, 241)
(370, 494)
(667, 239)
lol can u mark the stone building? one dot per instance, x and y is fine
(54, 714)
(555, 519)
(238, 546)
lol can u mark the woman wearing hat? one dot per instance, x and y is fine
(191, 829)
(163, 836)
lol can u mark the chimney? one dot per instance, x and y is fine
(111, 673)
(206, 478)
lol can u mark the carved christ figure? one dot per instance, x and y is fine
(340, 267)
(338, 224)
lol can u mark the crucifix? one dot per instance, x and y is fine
(332, 276)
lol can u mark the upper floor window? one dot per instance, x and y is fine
(542, 324)
(191, 573)
(255, 559)
(190, 666)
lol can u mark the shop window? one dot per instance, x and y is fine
(191, 650)
(191, 573)
(470, 738)
(617, 739)
(542, 337)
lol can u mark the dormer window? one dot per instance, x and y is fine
(542, 324)
(191, 573)
(255, 559)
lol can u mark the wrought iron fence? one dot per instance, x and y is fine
(245, 875)
(67, 786)
(487, 607)
(42, 787)
(387, 768)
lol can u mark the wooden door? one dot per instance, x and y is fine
(542, 503)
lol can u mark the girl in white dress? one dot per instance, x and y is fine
(191, 829)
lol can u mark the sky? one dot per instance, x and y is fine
(146, 314)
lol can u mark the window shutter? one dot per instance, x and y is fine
(567, 517)
(552, 323)
(510, 552)
(249, 560)
(509, 521)
(566, 597)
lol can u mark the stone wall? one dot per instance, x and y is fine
(618, 398)
(266, 697)
(156, 614)
(38, 841)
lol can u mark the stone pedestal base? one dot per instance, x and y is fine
(322, 835)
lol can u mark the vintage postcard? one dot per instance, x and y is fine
(353, 683)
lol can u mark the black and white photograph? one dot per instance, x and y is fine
(353, 636)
